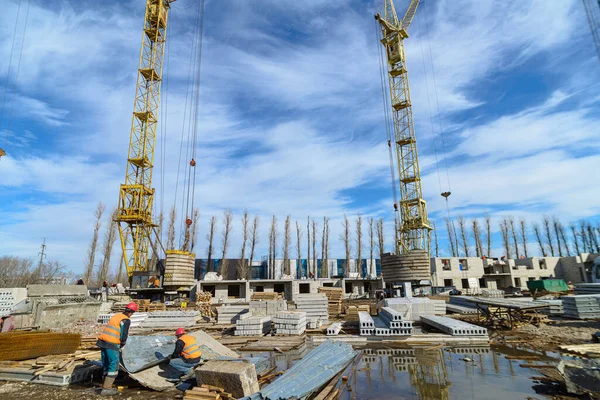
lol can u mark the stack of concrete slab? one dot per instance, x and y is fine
(587, 288)
(366, 323)
(290, 323)
(492, 293)
(315, 306)
(397, 325)
(170, 319)
(464, 301)
(230, 314)
(556, 307)
(261, 308)
(413, 308)
(456, 309)
(586, 306)
(253, 326)
(9, 297)
(453, 326)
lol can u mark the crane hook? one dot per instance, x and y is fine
(193, 163)
(188, 222)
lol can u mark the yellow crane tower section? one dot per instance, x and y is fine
(136, 195)
(413, 230)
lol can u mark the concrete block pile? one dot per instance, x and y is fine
(170, 319)
(366, 323)
(586, 306)
(315, 306)
(259, 308)
(230, 314)
(413, 308)
(393, 319)
(492, 293)
(587, 288)
(252, 326)
(454, 327)
(290, 323)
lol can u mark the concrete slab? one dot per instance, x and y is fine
(237, 378)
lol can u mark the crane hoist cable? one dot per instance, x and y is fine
(12, 103)
(388, 127)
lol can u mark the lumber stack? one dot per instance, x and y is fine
(413, 266)
(203, 303)
(142, 304)
(207, 392)
(179, 268)
(15, 346)
(266, 296)
(334, 299)
(153, 307)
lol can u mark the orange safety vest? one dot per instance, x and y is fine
(112, 330)
(190, 347)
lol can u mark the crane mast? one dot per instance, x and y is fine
(136, 195)
(413, 230)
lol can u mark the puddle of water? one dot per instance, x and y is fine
(440, 374)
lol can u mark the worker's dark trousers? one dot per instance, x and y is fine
(182, 366)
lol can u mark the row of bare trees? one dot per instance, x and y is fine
(21, 271)
(552, 237)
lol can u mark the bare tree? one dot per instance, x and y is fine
(538, 236)
(273, 234)
(546, 223)
(563, 236)
(298, 250)
(451, 238)
(171, 229)
(513, 234)
(91, 255)
(593, 239)
(314, 247)
(575, 241)
(522, 224)
(225, 238)
(359, 244)
(477, 237)
(372, 243)
(556, 226)
(463, 235)
(323, 244)
(345, 237)
(110, 235)
(308, 259)
(210, 237)
(253, 242)
(380, 237)
(194, 232)
(584, 239)
(488, 234)
(242, 266)
(120, 272)
(504, 230)
(326, 247)
(15, 271)
(286, 247)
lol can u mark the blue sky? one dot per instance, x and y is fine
(291, 120)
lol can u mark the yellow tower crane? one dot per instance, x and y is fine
(136, 195)
(412, 228)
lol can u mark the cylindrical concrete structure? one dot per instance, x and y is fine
(179, 268)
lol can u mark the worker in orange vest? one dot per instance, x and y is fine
(186, 355)
(154, 282)
(111, 343)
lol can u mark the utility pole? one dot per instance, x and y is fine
(42, 254)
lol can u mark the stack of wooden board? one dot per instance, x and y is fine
(27, 345)
(352, 311)
(203, 303)
(142, 304)
(266, 296)
(179, 268)
(334, 299)
(156, 307)
(207, 392)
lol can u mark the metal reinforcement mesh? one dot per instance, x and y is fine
(16, 346)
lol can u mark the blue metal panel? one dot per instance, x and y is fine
(309, 374)
(378, 266)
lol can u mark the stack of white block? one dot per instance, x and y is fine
(393, 319)
(260, 308)
(315, 306)
(252, 326)
(230, 314)
(366, 323)
(9, 297)
(290, 323)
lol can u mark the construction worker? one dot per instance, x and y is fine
(186, 355)
(154, 282)
(111, 343)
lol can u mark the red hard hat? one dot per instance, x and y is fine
(179, 331)
(132, 306)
